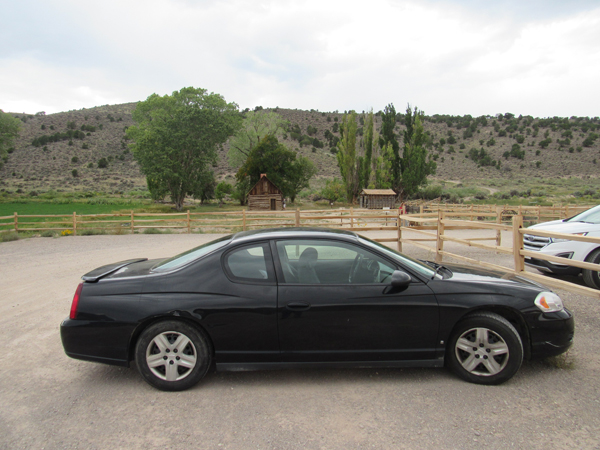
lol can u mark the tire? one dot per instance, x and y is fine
(172, 355)
(592, 278)
(474, 340)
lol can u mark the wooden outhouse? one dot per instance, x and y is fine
(377, 198)
(265, 196)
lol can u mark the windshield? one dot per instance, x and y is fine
(186, 257)
(413, 264)
(592, 215)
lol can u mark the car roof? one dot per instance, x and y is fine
(293, 233)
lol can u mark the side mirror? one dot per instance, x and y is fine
(400, 279)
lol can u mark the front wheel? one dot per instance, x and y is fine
(591, 277)
(485, 349)
(172, 355)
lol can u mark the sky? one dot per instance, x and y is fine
(478, 57)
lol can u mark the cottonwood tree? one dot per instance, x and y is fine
(9, 130)
(176, 138)
(414, 166)
(387, 138)
(255, 126)
(346, 155)
(288, 172)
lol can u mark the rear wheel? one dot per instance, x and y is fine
(485, 349)
(172, 355)
(590, 277)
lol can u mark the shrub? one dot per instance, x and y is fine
(48, 233)
(10, 236)
(90, 165)
(74, 159)
(74, 173)
(102, 163)
(538, 164)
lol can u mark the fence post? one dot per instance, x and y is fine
(297, 217)
(243, 219)
(471, 216)
(16, 222)
(566, 212)
(518, 243)
(74, 223)
(131, 225)
(440, 233)
(539, 214)
(498, 221)
(420, 210)
(352, 217)
(189, 226)
(399, 223)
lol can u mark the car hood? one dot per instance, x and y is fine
(558, 226)
(464, 273)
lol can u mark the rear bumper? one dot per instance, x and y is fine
(90, 341)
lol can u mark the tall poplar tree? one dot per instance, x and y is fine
(346, 155)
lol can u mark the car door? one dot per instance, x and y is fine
(336, 303)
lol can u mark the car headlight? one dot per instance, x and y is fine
(554, 240)
(548, 302)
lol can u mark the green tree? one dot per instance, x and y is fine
(370, 140)
(223, 189)
(415, 167)
(383, 168)
(334, 191)
(255, 126)
(9, 130)
(346, 155)
(388, 137)
(176, 138)
(282, 167)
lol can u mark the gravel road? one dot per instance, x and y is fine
(49, 401)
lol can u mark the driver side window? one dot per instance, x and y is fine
(330, 262)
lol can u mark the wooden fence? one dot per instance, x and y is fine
(211, 222)
(432, 226)
(433, 229)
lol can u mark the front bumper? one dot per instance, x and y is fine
(551, 333)
(547, 266)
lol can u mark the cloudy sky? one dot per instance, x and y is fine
(538, 57)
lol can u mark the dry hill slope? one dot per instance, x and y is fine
(102, 130)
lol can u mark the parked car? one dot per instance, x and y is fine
(586, 223)
(309, 298)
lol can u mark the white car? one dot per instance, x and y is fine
(586, 223)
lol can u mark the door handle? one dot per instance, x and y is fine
(298, 306)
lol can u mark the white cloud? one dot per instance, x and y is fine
(327, 55)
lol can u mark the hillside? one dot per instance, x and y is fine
(547, 148)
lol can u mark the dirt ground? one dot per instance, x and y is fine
(49, 401)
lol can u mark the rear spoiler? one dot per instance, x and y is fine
(100, 272)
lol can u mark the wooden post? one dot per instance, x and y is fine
(565, 216)
(297, 217)
(420, 210)
(498, 221)
(16, 222)
(352, 217)
(518, 243)
(189, 225)
(243, 219)
(440, 233)
(399, 223)
(131, 225)
(539, 214)
(471, 216)
(74, 223)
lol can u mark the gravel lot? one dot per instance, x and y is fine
(50, 401)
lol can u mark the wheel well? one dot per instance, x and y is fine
(140, 329)
(592, 251)
(516, 321)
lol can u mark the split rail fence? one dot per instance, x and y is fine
(433, 224)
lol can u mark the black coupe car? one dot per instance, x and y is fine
(301, 297)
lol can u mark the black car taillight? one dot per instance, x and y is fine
(75, 301)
